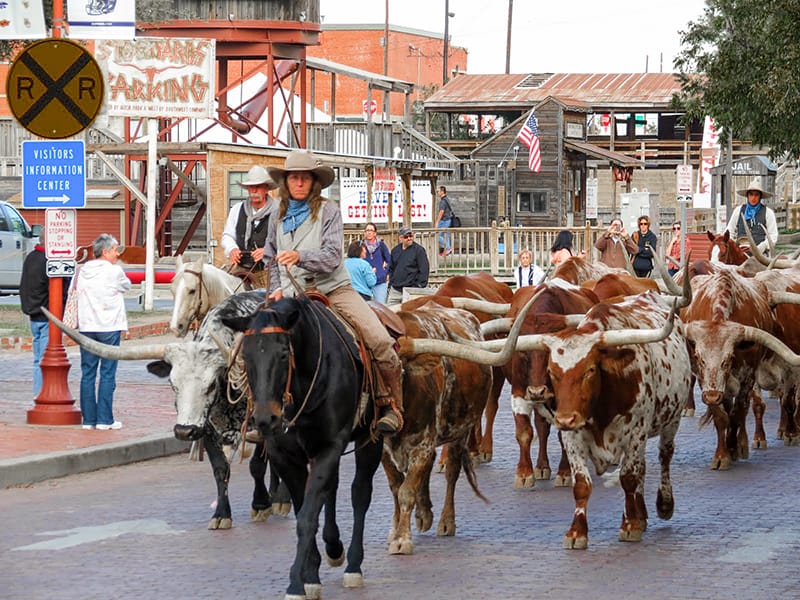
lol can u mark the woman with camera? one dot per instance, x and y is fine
(613, 244)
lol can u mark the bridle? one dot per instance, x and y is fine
(196, 316)
(287, 398)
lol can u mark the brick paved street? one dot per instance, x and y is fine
(139, 532)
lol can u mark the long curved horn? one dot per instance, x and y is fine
(669, 282)
(783, 298)
(780, 263)
(759, 336)
(490, 308)
(223, 348)
(624, 337)
(686, 293)
(414, 346)
(628, 263)
(131, 352)
(497, 326)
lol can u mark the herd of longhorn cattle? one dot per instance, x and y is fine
(609, 359)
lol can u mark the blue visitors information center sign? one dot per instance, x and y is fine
(53, 174)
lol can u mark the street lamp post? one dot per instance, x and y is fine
(446, 50)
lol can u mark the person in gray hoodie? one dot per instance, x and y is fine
(100, 285)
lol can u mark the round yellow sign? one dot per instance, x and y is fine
(55, 88)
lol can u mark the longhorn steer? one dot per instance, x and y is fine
(478, 287)
(615, 385)
(578, 269)
(443, 402)
(723, 360)
(527, 374)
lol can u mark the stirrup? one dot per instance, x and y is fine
(389, 423)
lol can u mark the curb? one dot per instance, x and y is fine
(40, 467)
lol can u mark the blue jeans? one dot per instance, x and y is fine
(379, 292)
(96, 407)
(41, 337)
(444, 237)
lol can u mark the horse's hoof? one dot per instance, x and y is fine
(334, 562)
(630, 535)
(219, 523)
(313, 591)
(446, 528)
(759, 444)
(438, 468)
(353, 580)
(484, 457)
(260, 515)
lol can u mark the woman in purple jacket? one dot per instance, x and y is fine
(379, 256)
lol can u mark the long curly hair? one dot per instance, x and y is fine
(315, 199)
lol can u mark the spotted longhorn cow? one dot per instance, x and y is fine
(444, 399)
(580, 269)
(618, 378)
(527, 374)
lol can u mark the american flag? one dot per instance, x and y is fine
(530, 137)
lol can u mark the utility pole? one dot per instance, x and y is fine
(386, 108)
(446, 49)
(508, 37)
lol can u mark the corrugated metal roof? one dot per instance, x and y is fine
(599, 90)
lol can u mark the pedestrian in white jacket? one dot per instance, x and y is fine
(100, 286)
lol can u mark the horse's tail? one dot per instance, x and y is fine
(469, 471)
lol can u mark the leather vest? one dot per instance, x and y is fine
(759, 233)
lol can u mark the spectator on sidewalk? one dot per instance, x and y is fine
(409, 267)
(443, 220)
(527, 273)
(379, 256)
(34, 293)
(362, 274)
(100, 286)
(613, 245)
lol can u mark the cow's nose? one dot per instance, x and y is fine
(712, 397)
(538, 393)
(569, 421)
(187, 433)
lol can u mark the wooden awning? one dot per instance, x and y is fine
(615, 158)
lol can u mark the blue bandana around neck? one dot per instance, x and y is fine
(750, 210)
(296, 215)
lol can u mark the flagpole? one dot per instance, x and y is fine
(513, 144)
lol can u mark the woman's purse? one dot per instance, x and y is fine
(71, 307)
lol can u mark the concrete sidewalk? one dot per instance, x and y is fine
(144, 403)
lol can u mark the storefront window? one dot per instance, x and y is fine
(532, 202)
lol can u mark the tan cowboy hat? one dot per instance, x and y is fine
(304, 160)
(755, 184)
(257, 176)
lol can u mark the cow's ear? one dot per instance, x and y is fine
(237, 323)
(159, 368)
(614, 360)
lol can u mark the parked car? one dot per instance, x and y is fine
(17, 238)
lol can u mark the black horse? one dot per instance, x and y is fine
(305, 375)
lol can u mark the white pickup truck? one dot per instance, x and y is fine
(17, 239)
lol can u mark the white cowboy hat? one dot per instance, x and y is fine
(304, 160)
(755, 184)
(257, 176)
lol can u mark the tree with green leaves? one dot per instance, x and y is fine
(740, 63)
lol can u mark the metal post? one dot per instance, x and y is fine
(446, 41)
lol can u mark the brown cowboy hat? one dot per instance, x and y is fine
(755, 184)
(257, 175)
(303, 160)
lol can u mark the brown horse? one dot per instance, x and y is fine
(725, 250)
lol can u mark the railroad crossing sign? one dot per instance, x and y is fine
(55, 88)
(53, 174)
(60, 233)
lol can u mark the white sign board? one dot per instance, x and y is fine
(591, 197)
(158, 77)
(353, 202)
(57, 267)
(60, 232)
(22, 20)
(684, 183)
(102, 20)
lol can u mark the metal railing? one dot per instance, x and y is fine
(494, 249)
